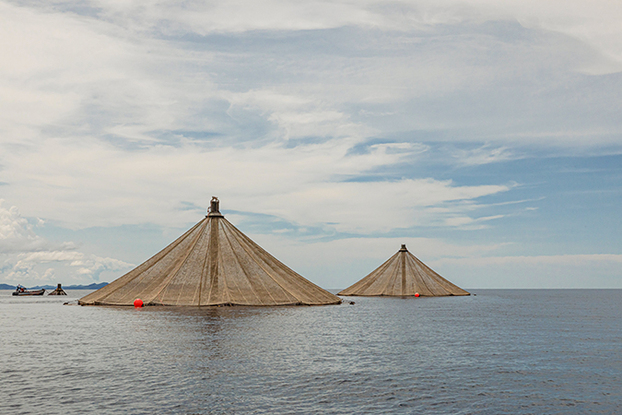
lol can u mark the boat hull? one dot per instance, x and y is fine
(34, 292)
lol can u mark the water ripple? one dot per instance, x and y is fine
(514, 352)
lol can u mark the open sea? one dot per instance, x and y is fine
(499, 352)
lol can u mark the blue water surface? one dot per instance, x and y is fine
(499, 352)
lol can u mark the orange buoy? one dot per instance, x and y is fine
(138, 303)
(416, 294)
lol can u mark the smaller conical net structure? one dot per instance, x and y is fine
(403, 275)
(212, 264)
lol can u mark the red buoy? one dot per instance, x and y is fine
(416, 294)
(138, 303)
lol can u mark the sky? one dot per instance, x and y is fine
(485, 135)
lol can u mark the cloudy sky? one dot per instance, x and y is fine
(485, 135)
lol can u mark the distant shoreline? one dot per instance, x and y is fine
(94, 286)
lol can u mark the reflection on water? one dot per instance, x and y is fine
(515, 351)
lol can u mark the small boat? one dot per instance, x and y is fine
(23, 291)
(58, 291)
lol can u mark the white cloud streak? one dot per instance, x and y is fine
(540, 271)
(595, 23)
(294, 184)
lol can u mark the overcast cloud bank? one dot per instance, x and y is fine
(466, 122)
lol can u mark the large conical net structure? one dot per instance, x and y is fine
(403, 275)
(213, 263)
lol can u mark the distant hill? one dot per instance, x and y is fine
(94, 286)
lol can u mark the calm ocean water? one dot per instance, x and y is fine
(502, 351)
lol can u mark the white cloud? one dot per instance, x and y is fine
(372, 207)
(17, 235)
(118, 112)
(75, 267)
(109, 76)
(297, 116)
(593, 22)
(24, 255)
(470, 223)
(70, 267)
(236, 16)
(483, 155)
(297, 184)
(80, 76)
(553, 271)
